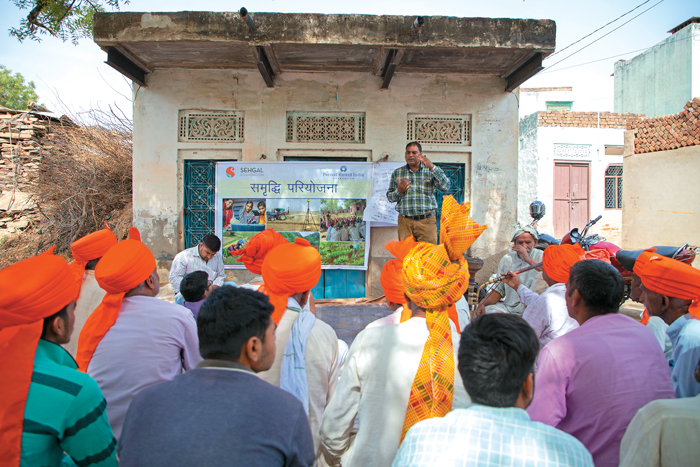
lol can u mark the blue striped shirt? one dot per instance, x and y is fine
(489, 436)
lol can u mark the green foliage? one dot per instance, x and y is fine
(60, 18)
(338, 253)
(14, 92)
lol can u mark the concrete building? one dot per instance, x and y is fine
(662, 79)
(545, 99)
(572, 161)
(383, 72)
(661, 195)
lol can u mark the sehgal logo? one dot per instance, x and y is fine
(230, 172)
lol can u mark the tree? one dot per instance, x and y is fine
(14, 92)
(64, 19)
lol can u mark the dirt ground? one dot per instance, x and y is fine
(294, 222)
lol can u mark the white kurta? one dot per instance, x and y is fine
(321, 365)
(152, 341)
(663, 433)
(376, 384)
(547, 313)
(91, 295)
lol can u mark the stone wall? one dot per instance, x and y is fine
(19, 168)
(667, 132)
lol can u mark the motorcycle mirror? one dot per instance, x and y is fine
(537, 210)
(575, 236)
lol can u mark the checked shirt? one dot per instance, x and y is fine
(420, 198)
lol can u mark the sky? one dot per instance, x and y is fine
(72, 79)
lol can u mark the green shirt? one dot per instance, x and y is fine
(65, 413)
(420, 198)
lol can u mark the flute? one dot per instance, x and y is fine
(499, 279)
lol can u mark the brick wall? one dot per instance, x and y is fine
(669, 131)
(584, 119)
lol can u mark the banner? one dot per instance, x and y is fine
(323, 202)
(380, 211)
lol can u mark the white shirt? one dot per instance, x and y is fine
(151, 341)
(547, 313)
(188, 261)
(395, 318)
(91, 295)
(321, 365)
(355, 234)
(334, 236)
(376, 384)
(663, 433)
(658, 327)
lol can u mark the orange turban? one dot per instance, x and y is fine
(257, 248)
(125, 266)
(30, 291)
(289, 269)
(435, 277)
(558, 259)
(672, 278)
(391, 277)
(89, 247)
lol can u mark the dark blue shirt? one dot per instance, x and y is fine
(219, 414)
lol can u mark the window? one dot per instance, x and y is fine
(562, 106)
(613, 187)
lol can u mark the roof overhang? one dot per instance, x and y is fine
(139, 43)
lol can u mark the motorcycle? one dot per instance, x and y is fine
(622, 260)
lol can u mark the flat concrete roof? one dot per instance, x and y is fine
(317, 43)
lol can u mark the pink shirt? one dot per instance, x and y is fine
(151, 341)
(591, 381)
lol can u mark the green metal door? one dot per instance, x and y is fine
(455, 172)
(200, 200)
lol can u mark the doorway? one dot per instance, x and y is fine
(571, 196)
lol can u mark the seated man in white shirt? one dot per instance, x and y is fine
(203, 257)
(547, 313)
(664, 433)
(522, 255)
(497, 356)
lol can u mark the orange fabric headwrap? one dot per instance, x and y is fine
(30, 291)
(435, 277)
(289, 269)
(90, 247)
(391, 277)
(672, 278)
(122, 268)
(558, 259)
(253, 255)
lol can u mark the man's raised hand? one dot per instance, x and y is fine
(403, 185)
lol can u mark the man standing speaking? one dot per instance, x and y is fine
(412, 188)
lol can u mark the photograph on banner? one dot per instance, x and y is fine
(294, 214)
(232, 241)
(343, 253)
(311, 237)
(342, 220)
(243, 211)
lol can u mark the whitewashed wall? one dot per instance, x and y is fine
(536, 172)
(490, 159)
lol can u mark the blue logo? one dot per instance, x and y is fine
(343, 168)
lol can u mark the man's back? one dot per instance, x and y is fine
(91, 295)
(150, 342)
(483, 435)
(591, 382)
(216, 416)
(64, 413)
(663, 433)
(321, 369)
(376, 384)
